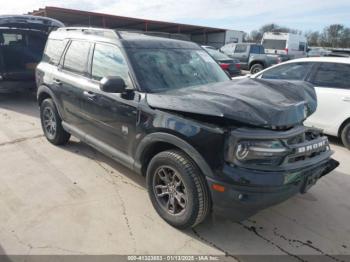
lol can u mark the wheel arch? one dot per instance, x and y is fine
(257, 62)
(43, 93)
(155, 143)
(345, 122)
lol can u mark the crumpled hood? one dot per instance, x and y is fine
(258, 102)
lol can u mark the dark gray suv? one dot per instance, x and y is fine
(166, 109)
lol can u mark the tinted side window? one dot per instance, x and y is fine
(302, 46)
(109, 61)
(292, 71)
(241, 49)
(77, 57)
(332, 75)
(53, 51)
(262, 50)
(255, 49)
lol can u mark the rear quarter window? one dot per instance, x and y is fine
(53, 51)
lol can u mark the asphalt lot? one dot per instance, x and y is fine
(73, 200)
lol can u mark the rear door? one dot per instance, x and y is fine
(275, 46)
(71, 79)
(332, 85)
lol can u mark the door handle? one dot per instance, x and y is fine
(346, 98)
(57, 82)
(90, 95)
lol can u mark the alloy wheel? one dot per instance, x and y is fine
(170, 190)
(49, 122)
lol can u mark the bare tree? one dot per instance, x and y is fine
(313, 38)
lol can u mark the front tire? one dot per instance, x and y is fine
(345, 135)
(51, 123)
(256, 68)
(177, 189)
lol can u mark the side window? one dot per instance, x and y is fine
(291, 71)
(332, 75)
(302, 46)
(241, 49)
(255, 49)
(109, 61)
(262, 50)
(77, 57)
(53, 51)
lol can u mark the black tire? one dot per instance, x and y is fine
(256, 68)
(57, 135)
(194, 191)
(345, 135)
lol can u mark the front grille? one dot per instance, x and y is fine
(306, 146)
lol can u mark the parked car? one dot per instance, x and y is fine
(231, 66)
(288, 45)
(22, 41)
(331, 78)
(166, 109)
(318, 52)
(252, 57)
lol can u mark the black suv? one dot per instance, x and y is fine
(22, 42)
(166, 109)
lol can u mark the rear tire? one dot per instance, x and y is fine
(177, 189)
(51, 123)
(345, 135)
(256, 68)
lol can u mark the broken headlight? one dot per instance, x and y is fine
(263, 152)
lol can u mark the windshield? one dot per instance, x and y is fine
(217, 55)
(166, 69)
(274, 44)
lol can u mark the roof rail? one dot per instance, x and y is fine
(90, 30)
(177, 36)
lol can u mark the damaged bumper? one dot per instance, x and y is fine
(239, 201)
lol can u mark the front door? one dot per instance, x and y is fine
(110, 118)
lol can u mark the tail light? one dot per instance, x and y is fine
(224, 66)
(238, 66)
(286, 49)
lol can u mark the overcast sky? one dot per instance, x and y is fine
(243, 15)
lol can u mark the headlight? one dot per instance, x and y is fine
(259, 152)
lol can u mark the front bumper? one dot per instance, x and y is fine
(241, 200)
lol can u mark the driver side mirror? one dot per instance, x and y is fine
(112, 84)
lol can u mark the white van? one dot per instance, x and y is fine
(285, 44)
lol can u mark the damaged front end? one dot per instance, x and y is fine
(265, 167)
(267, 155)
